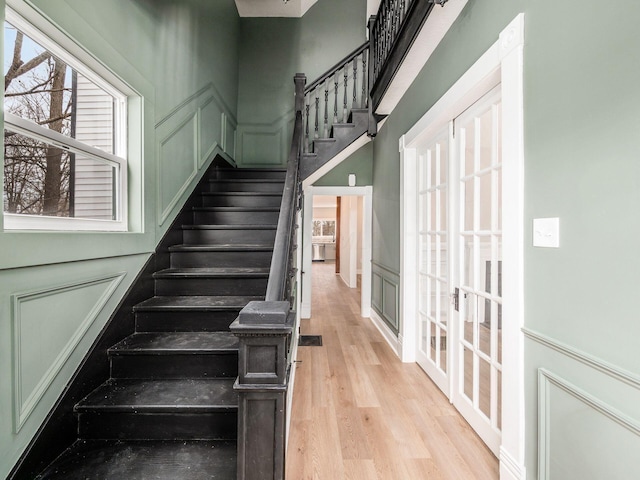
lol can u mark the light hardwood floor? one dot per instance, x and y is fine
(359, 413)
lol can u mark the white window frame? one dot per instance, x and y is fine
(50, 37)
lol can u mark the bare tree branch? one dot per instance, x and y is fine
(32, 91)
(14, 73)
(56, 119)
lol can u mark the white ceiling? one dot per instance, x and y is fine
(273, 8)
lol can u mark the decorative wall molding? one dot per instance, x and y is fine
(256, 139)
(592, 361)
(175, 110)
(190, 121)
(546, 381)
(208, 140)
(25, 402)
(229, 132)
(385, 295)
(214, 130)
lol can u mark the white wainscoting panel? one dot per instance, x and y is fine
(177, 164)
(42, 343)
(581, 436)
(210, 128)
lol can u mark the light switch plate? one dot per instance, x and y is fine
(546, 232)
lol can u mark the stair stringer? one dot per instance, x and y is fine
(325, 149)
(336, 160)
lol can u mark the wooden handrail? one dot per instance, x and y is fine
(281, 260)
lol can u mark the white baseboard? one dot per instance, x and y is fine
(510, 469)
(386, 332)
(305, 310)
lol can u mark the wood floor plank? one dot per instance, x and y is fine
(360, 470)
(360, 413)
(363, 391)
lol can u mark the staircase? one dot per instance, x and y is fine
(169, 410)
(341, 135)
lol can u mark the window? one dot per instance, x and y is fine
(324, 228)
(65, 132)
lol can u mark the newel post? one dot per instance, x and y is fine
(300, 80)
(263, 330)
(373, 125)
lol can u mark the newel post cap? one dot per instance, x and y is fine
(264, 313)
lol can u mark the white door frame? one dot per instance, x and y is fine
(501, 65)
(307, 219)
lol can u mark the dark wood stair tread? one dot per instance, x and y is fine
(242, 194)
(161, 396)
(236, 209)
(230, 227)
(212, 272)
(176, 343)
(222, 247)
(268, 169)
(195, 302)
(145, 460)
(246, 180)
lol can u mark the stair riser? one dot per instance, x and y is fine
(174, 366)
(220, 259)
(185, 321)
(235, 218)
(216, 237)
(339, 132)
(158, 426)
(239, 173)
(211, 286)
(241, 200)
(239, 186)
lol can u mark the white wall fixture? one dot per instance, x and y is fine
(546, 232)
(352, 179)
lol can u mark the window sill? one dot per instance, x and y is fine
(14, 222)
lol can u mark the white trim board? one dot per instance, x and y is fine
(367, 216)
(433, 31)
(501, 64)
(388, 334)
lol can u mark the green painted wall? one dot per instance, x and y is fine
(57, 290)
(272, 51)
(582, 117)
(359, 163)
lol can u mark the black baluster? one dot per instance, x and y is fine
(346, 82)
(355, 83)
(326, 110)
(364, 78)
(306, 133)
(316, 133)
(335, 96)
(394, 19)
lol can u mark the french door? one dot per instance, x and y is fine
(433, 270)
(460, 267)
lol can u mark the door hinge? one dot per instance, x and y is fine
(455, 299)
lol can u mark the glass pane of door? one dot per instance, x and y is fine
(479, 267)
(433, 254)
